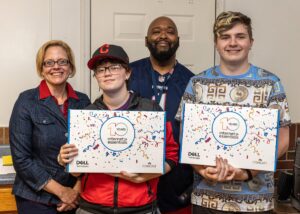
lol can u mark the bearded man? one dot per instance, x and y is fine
(163, 79)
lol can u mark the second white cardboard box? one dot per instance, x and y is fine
(245, 136)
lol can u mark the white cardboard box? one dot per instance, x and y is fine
(245, 136)
(114, 141)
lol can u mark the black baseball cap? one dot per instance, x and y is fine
(108, 51)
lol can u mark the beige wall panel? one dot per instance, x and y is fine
(276, 32)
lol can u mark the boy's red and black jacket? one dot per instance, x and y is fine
(108, 191)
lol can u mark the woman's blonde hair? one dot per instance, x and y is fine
(42, 51)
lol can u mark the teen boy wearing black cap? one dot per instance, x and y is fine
(125, 192)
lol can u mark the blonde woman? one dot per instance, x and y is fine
(37, 130)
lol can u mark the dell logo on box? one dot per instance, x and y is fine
(193, 154)
(83, 163)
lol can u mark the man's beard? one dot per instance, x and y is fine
(162, 56)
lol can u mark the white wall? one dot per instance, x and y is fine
(276, 32)
(25, 26)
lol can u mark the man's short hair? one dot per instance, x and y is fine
(227, 20)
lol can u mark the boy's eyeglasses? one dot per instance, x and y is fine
(113, 69)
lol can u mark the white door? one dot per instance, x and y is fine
(125, 23)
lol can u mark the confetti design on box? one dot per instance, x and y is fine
(245, 136)
(113, 141)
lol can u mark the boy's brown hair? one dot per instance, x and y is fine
(227, 20)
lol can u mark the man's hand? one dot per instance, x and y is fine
(222, 172)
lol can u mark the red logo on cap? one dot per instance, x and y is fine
(104, 49)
